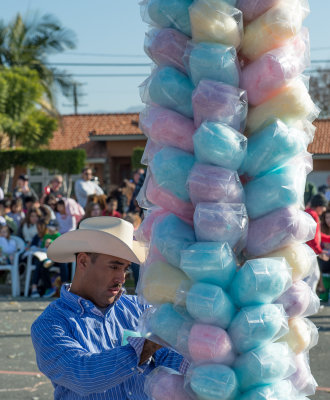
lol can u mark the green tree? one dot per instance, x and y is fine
(29, 42)
(20, 118)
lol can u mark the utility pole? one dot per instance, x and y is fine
(75, 98)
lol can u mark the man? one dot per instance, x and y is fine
(85, 187)
(23, 190)
(78, 338)
(54, 187)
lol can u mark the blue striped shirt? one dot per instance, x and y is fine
(79, 349)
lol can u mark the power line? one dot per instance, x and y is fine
(105, 75)
(106, 55)
(60, 64)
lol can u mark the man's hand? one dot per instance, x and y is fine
(148, 350)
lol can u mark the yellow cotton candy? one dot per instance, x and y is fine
(160, 283)
(291, 104)
(299, 336)
(300, 257)
(212, 21)
(273, 28)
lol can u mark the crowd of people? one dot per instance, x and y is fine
(39, 220)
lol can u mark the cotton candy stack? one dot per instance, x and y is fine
(274, 53)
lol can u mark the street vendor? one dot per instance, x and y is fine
(78, 338)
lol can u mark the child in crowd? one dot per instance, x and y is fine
(5, 219)
(29, 226)
(112, 206)
(7, 246)
(66, 221)
(93, 210)
(16, 211)
(42, 263)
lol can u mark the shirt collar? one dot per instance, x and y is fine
(81, 305)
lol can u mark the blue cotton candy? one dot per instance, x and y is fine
(271, 147)
(209, 262)
(170, 168)
(263, 366)
(277, 189)
(213, 382)
(260, 281)
(166, 323)
(281, 390)
(170, 236)
(171, 14)
(171, 89)
(210, 304)
(212, 61)
(255, 326)
(219, 144)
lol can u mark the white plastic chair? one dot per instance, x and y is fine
(14, 267)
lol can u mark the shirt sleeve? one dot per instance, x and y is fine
(65, 362)
(171, 359)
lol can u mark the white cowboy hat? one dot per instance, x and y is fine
(103, 235)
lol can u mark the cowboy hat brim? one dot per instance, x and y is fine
(65, 247)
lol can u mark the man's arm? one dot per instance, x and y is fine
(80, 193)
(65, 362)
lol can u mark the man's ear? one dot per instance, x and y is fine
(82, 260)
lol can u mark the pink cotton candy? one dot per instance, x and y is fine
(168, 127)
(264, 78)
(143, 234)
(169, 202)
(166, 385)
(252, 9)
(166, 47)
(210, 343)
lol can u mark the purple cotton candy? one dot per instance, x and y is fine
(297, 299)
(166, 47)
(218, 102)
(168, 127)
(208, 183)
(252, 9)
(303, 379)
(169, 202)
(278, 229)
(221, 222)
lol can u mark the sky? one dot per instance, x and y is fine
(112, 31)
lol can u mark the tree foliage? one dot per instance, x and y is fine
(65, 161)
(20, 118)
(136, 157)
(28, 43)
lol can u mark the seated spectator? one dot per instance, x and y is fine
(50, 202)
(5, 219)
(101, 199)
(66, 221)
(54, 187)
(16, 211)
(111, 210)
(92, 210)
(30, 202)
(28, 228)
(23, 190)
(7, 246)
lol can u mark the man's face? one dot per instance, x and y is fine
(103, 277)
(87, 175)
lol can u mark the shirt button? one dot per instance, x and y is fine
(133, 369)
(130, 393)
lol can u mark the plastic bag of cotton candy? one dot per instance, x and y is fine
(278, 188)
(197, 342)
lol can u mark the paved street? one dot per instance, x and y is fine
(19, 376)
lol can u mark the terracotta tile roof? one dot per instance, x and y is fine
(75, 129)
(321, 143)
